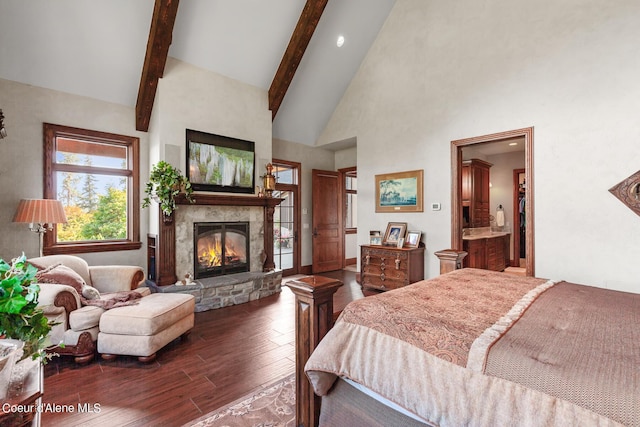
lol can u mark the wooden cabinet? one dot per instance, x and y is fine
(475, 193)
(497, 253)
(477, 253)
(488, 253)
(386, 267)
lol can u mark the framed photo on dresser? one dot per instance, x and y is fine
(375, 238)
(395, 232)
(413, 239)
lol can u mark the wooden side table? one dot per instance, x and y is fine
(22, 405)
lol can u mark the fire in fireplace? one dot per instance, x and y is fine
(220, 248)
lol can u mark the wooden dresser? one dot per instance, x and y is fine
(387, 267)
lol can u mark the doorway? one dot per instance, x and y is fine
(519, 221)
(456, 188)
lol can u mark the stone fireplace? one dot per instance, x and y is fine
(174, 251)
(188, 217)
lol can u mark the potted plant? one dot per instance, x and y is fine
(20, 317)
(165, 183)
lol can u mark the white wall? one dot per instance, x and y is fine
(442, 71)
(26, 108)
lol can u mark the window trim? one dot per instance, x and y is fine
(345, 172)
(50, 244)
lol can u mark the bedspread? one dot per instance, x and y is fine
(412, 346)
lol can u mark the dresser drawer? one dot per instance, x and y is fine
(382, 282)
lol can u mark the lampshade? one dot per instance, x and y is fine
(40, 211)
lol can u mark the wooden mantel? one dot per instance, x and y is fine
(225, 200)
(166, 239)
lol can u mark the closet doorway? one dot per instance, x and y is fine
(456, 188)
(519, 219)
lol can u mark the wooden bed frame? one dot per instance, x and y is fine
(314, 318)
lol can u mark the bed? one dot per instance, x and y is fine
(475, 347)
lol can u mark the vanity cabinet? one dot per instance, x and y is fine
(386, 267)
(487, 253)
(475, 193)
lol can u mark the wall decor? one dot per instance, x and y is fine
(220, 163)
(413, 239)
(399, 192)
(628, 192)
(395, 232)
(375, 238)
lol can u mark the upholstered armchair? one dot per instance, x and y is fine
(63, 280)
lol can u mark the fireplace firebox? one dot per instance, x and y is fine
(220, 248)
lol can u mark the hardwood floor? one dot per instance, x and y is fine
(230, 352)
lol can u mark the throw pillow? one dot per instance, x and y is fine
(61, 275)
(89, 292)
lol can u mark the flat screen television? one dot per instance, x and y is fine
(220, 163)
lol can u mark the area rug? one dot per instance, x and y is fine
(271, 406)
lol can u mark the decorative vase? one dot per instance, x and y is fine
(10, 352)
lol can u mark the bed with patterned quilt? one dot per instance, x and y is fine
(480, 348)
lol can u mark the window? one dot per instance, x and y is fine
(285, 173)
(351, 200)
(95, 176)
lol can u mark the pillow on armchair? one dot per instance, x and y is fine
(63, 275)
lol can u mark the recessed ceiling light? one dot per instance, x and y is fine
(513, 143)
(340, 41)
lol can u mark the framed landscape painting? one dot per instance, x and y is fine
(400, 192)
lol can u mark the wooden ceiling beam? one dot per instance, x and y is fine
(160, 34)
(295, 50)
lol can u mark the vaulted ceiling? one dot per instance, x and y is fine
(116, 50)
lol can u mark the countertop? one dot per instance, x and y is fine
(485, 235)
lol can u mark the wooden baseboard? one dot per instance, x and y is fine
(306, 269)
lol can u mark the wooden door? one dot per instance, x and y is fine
(328, 231)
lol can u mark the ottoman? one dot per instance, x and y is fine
(144, 328)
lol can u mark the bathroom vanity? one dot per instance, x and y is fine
(488, 250)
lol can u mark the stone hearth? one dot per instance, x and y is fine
(222, 291)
